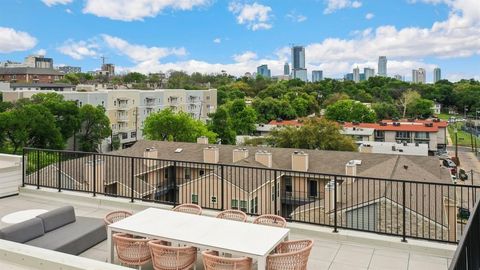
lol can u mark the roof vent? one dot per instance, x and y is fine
(397, 124)
(178, 150)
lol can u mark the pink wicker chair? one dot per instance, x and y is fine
(116, 216)
(211, 261)
(189, 208)
(290, 255)
(231, 214)
(271, 220)
(172, 258)
(131, 251)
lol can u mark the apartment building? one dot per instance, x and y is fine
(128, 109)
(432, 132)
(30, 75)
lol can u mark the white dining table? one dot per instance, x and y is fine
(203, 232)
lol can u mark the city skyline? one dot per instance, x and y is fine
(252, 34)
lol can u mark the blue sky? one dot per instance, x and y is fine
(238, 35)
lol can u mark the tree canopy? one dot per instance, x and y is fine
(167, 125)
(320, 134)
(348, 110)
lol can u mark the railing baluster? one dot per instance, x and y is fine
(404, 213)
(335, 205)
(59, 169)
(132, 184)
(38, 169)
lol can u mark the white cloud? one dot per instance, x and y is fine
(56, 2)
(132, 10)
(217, 40)
(41, 52)
(295, 17)
(79, 50)
(334, 5)
(139, 53)
(369, 16)
(245, 57)
(12, 40)
(69, 11)
(255, 16)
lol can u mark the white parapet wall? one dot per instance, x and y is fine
(10, 174)
(23, 256)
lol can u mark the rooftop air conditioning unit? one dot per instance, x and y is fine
(397, 124)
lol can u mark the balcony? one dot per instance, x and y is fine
(344, 206)
(150, 102)
(122, 118)
(343, 250)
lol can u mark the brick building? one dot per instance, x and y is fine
(30, 75)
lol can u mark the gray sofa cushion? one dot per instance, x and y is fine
(23, 231)
(73, 238)
(57, 218)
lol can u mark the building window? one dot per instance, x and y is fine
(188, 173)
(234, 204)
(213, 199)
(402, 135)
(103, 103)
(422, 135)
(124, 136)
(208, 97)
(195, 198)
(133, 134)
(202, 172)
(114, 103)
(243, 206)
(254, 205)
(288, 184)
(166, 174)
(312, 188)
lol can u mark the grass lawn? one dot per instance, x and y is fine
(444, 116)
(464, 138)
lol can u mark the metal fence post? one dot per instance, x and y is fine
(335, 225)
(132, 184)
(94, 175)
(38, 169)
(23, 167)
(174, 180)
(404, 239)
(275, 192)
(223, 191)
(59, 169)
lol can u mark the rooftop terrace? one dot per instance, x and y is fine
(343, 250)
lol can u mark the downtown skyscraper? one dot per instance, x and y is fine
(382, 66)
(437, 74)
(298, 63)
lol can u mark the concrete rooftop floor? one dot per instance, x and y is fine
(331, 251)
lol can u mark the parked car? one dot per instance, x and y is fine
(462, 175)
(448, 163)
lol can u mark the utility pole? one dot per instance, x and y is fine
(456, 143)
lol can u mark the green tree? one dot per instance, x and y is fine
(243, 117)
(421, 108)
(30, 125)
(221, 124)
(95, 126)
(66, 113)
(134, 77)
(71, 78)
(385, 110)
(319, 134)
(179, 127)
(350, 111)
(408, 97)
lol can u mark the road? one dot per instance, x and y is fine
(469, 162)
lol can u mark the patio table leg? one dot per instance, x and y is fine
(109, 245)
(262, 263)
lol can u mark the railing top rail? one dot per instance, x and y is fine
(311, 174)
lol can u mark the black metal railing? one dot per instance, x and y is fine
(467, 255)
(407, 209)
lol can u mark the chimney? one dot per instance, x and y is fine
(211, 154)
(202, 140)
(351, 168)
(330, 196)
(149, 154)
(239, 154)
(95, 174)
(300, 161)
(264, 158)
